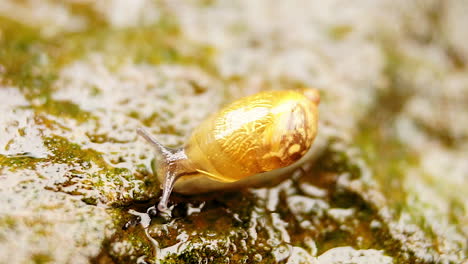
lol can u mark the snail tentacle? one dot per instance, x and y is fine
(167, 186)
(170, 165)
(160, 148)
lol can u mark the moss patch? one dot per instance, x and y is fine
(32, 62)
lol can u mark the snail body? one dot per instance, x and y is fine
(250, 142)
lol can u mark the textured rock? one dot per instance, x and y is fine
(386, 183)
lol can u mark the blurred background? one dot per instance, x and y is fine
(388, 181)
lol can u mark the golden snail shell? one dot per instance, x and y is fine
(241, 145)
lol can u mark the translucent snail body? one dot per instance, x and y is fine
(247, 143)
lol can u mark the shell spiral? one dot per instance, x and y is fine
(255, 134)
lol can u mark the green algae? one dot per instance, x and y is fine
(390, 161)
(15, 162)
(79, 160)
(389, 158)
(70, 153)
(340, 32)
(63, 151)
(63, 108)
(41, 258)
(32, 62)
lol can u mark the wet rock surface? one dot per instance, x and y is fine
(386, 184)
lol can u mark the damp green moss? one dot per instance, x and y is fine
(198, 256)
(86, 11)
(340, 32)
(66, 152)
(41, 258)
(337, 162)
(63, 151)
(79, 159)
(63, 108)
(355, 231)
(389, 159)
(32, 62)
(15, 162)
(8, 222)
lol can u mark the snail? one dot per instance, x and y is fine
(249, 142)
